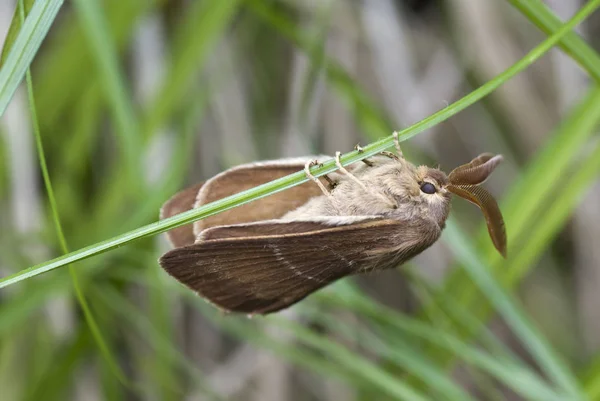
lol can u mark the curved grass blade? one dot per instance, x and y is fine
(389, 322)
(299, 178)
(23, 50)
(103, 50)
(89, 317)
(515, 318)
(406, 357)
(13, 30)
(572, 44)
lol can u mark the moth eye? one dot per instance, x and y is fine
(428, 188)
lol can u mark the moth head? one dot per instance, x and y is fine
(431, 189)
(464, 181)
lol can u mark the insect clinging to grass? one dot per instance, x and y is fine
(269, 254)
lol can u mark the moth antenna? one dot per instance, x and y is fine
(338, 163)
(359, 149)
(475, 172)
(307, 167)
(397, 144)
(488, 205)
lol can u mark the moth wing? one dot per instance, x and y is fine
(179, 203)
(247, 176)
(259, 268)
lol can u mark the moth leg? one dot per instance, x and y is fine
(397, 144)
(359, 149)
(332, 184)
(390, 155)
(307, 167)
(338, 163)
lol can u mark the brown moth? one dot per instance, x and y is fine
(271, 253)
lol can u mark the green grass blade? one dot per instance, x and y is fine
(13, 31)
(558, 212)
(95, 26)
(208, 21)
(69, 66)
(390, 323)
(403, 355)
(459, 315)
(61, 237)
(24, 48)
(342, 355)
(299, 178)
(531, 193)
(541, 15)
(532, 190)
(515, 318)
(591, 378)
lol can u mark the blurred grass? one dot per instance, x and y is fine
(299, 177)
(25, 45)
(87, 108)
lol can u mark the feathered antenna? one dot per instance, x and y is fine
(465, 181)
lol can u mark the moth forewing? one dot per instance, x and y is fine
(258, 274)
(247, 176)
(179, 203)
(280, 227)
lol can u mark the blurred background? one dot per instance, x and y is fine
(137, 99)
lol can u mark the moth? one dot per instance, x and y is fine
(271, 253)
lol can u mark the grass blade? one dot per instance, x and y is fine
(572, 44)
(24, 48)
(89, 317)
(95, 26)
(13, 31)
(478, 271)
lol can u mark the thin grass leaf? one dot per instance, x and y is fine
(371, 118)
(208, 21)
(111, 360)
(557, 213)
(541, 351)
(529, 195)
(63, 366)
(136, 321)
(405, 357)
(591, 378)
(299, 356)
(35, 28)
(68, 63)
(388, 323)
(113, 82)
(342, 355)
(464, 319)
(13, 30)
(572, 44)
